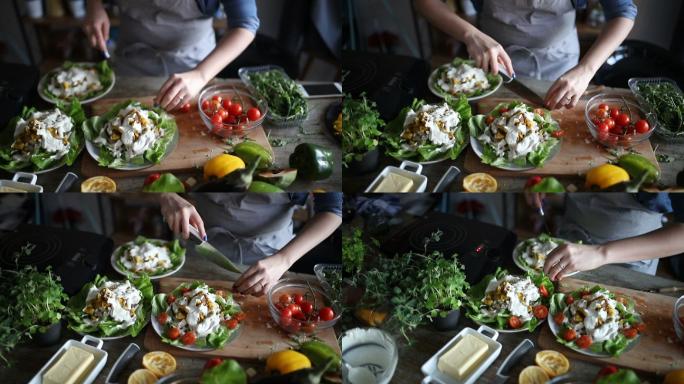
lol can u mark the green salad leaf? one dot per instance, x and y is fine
(427, 151)
(94, 125)
(282, 94)
(176, 253)
(104, 71)
(525, 244)
(667, 103)
(228, 372)
(110, 328)
(494, 80)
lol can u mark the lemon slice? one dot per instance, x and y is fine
(142, 376)
(554, 363)
(160, 363)
(98, 184)
(533, 375)
(480, 182)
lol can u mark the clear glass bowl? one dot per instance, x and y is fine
(248, 101)
(610, 139)
(301, 286)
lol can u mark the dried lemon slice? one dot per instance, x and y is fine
(554, 363)
(142, 376)
(533, 375)
(480, 182)
(160, 363)
(99, 184)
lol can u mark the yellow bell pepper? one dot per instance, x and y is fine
(222, 165)
(287, 361)
(605, 176)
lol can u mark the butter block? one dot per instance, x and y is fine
(459, 361)
(393, 183)
(69, 367)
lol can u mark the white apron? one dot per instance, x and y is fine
(162, 37)
(603, 217)
(246, 227)
(539, 35)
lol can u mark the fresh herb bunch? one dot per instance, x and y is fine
(667, 103)
(360, 128)
(354, 249)
(281, 93)
(442, 285)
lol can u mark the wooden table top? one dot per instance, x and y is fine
(312, 131)
(434, 172)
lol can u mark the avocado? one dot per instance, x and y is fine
(263, 187)
(281, 178)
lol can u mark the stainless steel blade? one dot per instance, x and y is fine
(526, 93)
(212, 254)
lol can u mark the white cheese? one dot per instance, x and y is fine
(147, 257)
(514, 293)
(44, 131)
(431, 124)
(535, 253)
(131, 132)
(463, 79)
(116, 300)
(74, 82)
(514, 134)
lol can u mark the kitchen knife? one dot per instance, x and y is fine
(446, 180)
(212, 254)
(521, 89)
(512, 359)
(665, 290)
(121, 363)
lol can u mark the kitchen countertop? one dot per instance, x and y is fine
(434, 172)
(427, 341)
(28, 359)
(312, 131)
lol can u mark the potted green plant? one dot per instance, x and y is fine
(360, 134)
(442, 288)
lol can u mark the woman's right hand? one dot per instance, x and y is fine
(179, 214)
(96, 25)
(487, 52)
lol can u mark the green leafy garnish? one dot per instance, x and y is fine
(282, 94)
(360, 128)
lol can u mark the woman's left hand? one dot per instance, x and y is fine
(179, 89)
(260, 277)
(568, 89)
(569, 258)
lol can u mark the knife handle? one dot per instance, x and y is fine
(121, 363)
(515, 356)
(448, 177)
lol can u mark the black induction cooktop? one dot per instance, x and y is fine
(75, 256)
(480, 247)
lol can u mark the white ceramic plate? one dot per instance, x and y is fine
(478, 149)
(439, 94)
(113, 337)
(510, 330)
(41, 86)
(117, 253)
(159, 329)
(94, 152)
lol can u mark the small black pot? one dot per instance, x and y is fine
(51, 335)
(368, 163)
(448, 323)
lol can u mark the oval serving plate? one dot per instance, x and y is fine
(94, 152)
(159, 330)
(478, 149)
(41, 86)
(440, 94)
(117, 253)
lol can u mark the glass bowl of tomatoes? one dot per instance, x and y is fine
(617, 122)
(227, 111)
(301, 307)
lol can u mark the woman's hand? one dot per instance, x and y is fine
(569, 88)
(96, 25)
(487, 53)
(179, 214)
(179, 89)
(260, 277)
(569, 258)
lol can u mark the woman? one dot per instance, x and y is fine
(617, 228)
(174, 38)
(536, 38)
(255, 229)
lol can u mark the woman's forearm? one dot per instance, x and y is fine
(228, 48)
(440, 16)
(663, 242)
(612, 35)
(319, 228)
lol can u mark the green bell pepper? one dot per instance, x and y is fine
(312, 161)
(166, 182)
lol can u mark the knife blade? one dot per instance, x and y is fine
(212, 254)
(520, 89)
(512, 359)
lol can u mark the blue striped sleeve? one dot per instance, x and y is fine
(242, 14)
(619, 8)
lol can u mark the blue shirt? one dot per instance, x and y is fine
(611, 8)
(239, 13)
(323, 202)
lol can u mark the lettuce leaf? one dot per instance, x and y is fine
(176, 253)
(105, 74)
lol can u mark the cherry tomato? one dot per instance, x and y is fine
(642, 126)
(215, 104)
(585, 293)
(226, 103)
(514, 322)
(641, 327)
(596, 121)
(285, 299)
(558, 133)
(630, 333)
(569, 299)
(617, 130)
(230, 120)
(307, 307)
(569, 334)
(217, 120)
(532, 181)
(162, 318)
(614, 112)
(559, 318)
(170, 299)
(240, 316)
(622, 120)
(173, 333)
(235, 109)
(217, 98)
(603, 127)
(185, 108)
(253, 114)
(299, 315)
(285, 322)
(540, 311)
(184, 290)
(297, 298)
(602, 113)
(489, 119)
(294, 327)
(584, 341)
(326, 314)
(189, 338)
(609, 122)
(286, 312)
(309, 327)
(205, 105)
(543, 291)
(603, 107)
(503, 110)
(232, 323)
(606, 371)
(151, 178)
(211, 363)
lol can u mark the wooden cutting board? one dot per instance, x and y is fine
(259, 337)
(658, 349)
(195, 145)
(578, 153)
